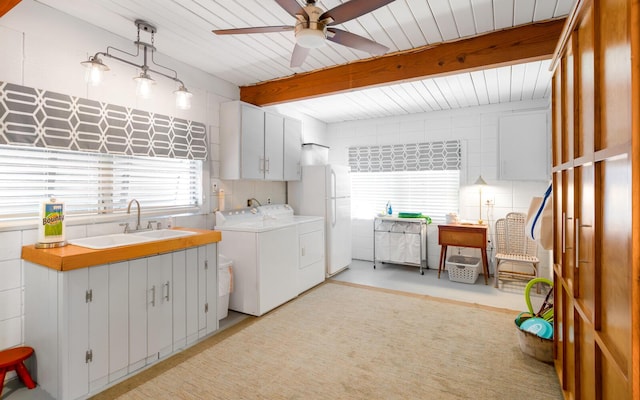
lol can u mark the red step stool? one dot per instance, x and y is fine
(11, 360)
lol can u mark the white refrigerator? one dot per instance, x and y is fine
(325, 191)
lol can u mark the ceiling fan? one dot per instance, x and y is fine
(314, 26)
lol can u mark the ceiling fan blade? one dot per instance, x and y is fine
(298, 56)
(352, 9)
(259, 29)
(292, 7)
(356, 41)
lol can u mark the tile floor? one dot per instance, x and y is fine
(388, 276)
(510, 295)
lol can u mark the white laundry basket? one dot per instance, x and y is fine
(225, 285)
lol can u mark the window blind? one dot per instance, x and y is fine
(433, 193)
(93, 183)
(414, 177)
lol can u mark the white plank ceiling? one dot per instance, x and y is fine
(184, 33)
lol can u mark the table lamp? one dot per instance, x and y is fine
(480, 183)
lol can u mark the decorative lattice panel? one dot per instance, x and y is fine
(40, 118)
(442, 155)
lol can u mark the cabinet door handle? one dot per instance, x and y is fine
(261, 165)
(153, 296)
(302, 252)
(266, 165)
(577, 249)
(166, 297)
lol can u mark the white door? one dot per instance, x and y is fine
(179, 296)
(118, 320)
(273, 147)
(292, 149)
(192, 300)
(137, 313)
(78, 334)
(87, 329)
(338, 234)
(207, 290)
(340, 181)
(278, 267)
(159, 315)
(252, 143)
(99, 326)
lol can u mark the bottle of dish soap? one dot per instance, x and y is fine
(389, 209)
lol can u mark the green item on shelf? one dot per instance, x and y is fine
(414, 215)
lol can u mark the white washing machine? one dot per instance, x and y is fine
(275, 254)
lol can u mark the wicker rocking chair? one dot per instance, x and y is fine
(514, 246)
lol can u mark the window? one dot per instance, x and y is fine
(92, 183)
(434, 193)
(421, 177)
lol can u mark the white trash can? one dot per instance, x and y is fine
(225, 285)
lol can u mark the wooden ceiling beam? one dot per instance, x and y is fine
(532, 42)
(7, 5)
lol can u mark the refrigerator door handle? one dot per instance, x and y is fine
(334, 192)
(334, 188)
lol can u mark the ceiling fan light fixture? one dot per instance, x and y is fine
(310, 38)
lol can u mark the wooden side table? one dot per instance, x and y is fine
(463, 235)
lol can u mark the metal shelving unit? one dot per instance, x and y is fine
(400, 241)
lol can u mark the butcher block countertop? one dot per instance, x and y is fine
(72, 257)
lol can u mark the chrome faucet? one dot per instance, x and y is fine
(138, 226)
(251, 200)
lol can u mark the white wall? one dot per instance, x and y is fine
(42, 48)
(477, 128)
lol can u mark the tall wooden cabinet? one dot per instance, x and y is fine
(596, 186)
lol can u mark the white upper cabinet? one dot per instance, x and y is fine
(292, 149)
(273, 147)
(524, 147)
(254, 143)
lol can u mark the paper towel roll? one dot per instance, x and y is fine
(51, 226)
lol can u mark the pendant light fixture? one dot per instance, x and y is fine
(144, 81)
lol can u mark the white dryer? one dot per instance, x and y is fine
(275, 255)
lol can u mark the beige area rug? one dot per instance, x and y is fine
(344, 341)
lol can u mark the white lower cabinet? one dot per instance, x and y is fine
(87, 305)
(311, 270)
(91, 327)
(207, 291)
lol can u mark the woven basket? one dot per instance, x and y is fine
(533, 345)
